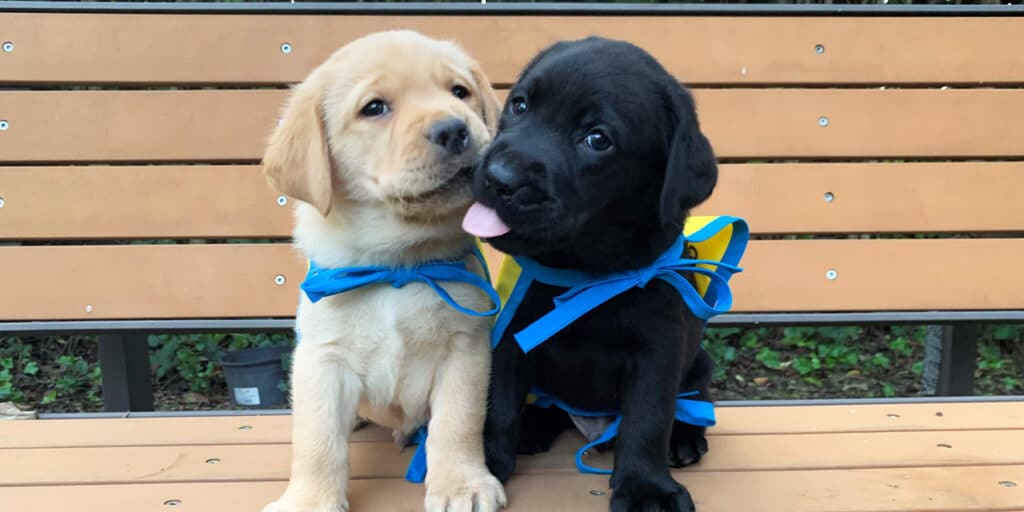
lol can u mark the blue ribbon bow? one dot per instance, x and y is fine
(321, 282)
(587, 291)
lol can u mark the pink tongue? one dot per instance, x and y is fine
(483, 222)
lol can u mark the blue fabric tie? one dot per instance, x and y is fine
(321, 282)
(692, 412)
(417, 471)
(588, 292)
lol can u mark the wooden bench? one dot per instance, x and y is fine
(125, 124)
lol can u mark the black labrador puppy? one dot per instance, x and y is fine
(597, 162)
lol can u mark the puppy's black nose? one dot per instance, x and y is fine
(451, 134)
(502, 179)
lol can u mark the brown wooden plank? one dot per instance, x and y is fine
(382, 459)
(174, 431)
(276, 429)
(699, 49)
(871, 197)
(149, 281)
(238, 280)
(878, 275)
(867, 490)
(785, 123)
(787, 452)
(171, 201)
(231, 125)
(79, 202)
(137, 126)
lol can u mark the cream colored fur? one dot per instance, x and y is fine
(370, 196)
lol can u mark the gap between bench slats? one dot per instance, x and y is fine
(130, 48)
(382, 459)
(240, 280)
(948, 489)
(216, 430)
(232, 125)
(227, 201)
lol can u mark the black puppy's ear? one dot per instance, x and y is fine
(692, 171)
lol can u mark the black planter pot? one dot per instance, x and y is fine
(254, 376)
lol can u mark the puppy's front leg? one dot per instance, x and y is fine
(457, 476)
(641, 479)
(325, 401)
(509, 386)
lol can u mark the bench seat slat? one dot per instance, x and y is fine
(382, 459)
(947, 489)
(232, 125)
(132, 48)
(238, 280)
(276, 429)
(228, 201)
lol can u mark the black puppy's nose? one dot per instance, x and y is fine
(502, 179)
(451, 134)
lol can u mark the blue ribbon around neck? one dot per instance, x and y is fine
(322, 282)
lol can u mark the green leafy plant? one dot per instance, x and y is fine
(190, 363)
(40, 373)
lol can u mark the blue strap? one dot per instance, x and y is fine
(608, 434)
(417, 471)
(593, 291)
(320, 282)
(692, 412)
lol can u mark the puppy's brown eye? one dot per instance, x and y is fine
(598, 141)
(460, 92)
(518, 105)
(375, 108)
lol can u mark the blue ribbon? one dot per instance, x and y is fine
(588, 292)
(692, 412)
(417, 471)
(321, 282)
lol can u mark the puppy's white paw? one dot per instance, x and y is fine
(475, 492)
(283, 505)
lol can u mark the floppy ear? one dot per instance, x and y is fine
(692, 171)
(491, 106)
(297, 160)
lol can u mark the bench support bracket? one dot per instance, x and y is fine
(127, 381)
(959, 358)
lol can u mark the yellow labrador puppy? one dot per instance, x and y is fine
(377, 145)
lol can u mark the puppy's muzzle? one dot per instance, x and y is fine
(451, 135)
(501, 180)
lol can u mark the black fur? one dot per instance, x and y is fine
(573, 207)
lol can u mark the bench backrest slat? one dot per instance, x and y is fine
(240, 280)
(231, 125)
(744, 50)
(233, 201)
